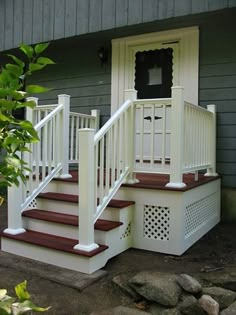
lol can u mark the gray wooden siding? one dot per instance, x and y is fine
(218, 86)
(33, 21)
(78, 73)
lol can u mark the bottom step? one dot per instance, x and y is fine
(54, 250)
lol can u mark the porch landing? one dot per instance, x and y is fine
(157, 181)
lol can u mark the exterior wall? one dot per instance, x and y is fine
(33, 21)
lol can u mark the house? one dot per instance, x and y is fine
(157, 68)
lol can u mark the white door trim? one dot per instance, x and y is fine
(187, 59)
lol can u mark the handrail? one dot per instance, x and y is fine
(105, 162)
(48, 117)
(111, 121)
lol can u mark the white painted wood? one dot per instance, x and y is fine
(177, 138)
(152, 140)
(64, 135)
(130, 150)
(54, 257)
(87, 190)
(14, 210)
(185, 44)
(211, 171)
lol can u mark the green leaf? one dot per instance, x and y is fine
(3, 293)
(5, 306)
(13, 162)
(17, 60)
(18, 95)
(30, 104)
(27, 50)
(35, 89)
(40, 48)
(21, 291)
(14, 69)
(35, 66)
(4, 117)
(21, 308)
(6, 104)
(45, 61)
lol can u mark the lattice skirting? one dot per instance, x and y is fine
(172, 221)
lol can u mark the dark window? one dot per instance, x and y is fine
(153, 73)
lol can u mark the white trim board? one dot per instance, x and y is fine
(185, 44)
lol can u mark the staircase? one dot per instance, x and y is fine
(51, 226)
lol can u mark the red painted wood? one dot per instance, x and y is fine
(56, 217)
(53, 242)
(114, 203)
(157, 181)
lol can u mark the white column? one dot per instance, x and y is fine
(64, 135)
(211, 171)
(177, 138)
(14, 210)
(87, 190)
(130, 140)
(96, 113)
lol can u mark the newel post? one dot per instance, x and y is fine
(87, 190)
(177, 138)
(96, 114)
(64, 135)
(130, 141)
(211, 171)
(14, 210)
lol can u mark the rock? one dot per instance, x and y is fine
(156, 309)
(209, 305)
(189, 284)
(225, 279)
(231, 310)
(189, 306)
(157, 287)
(222, 296)
(121, 310)
(122, 282)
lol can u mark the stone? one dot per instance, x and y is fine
(225, 279)
(157, 287)
(156, 309)
(189, 306)
(210, 306)
(189, 284)
(122, 282)
(231, 310)
(121, 310)
(222, 296)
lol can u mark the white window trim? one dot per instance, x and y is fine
(187, 59)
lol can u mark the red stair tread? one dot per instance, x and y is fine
(53, 242)
(114, 203)
(56, 217)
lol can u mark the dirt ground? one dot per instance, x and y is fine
(216, 251)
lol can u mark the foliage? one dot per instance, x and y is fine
(15, 134)
(19, 305)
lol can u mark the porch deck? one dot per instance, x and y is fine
(157, 181)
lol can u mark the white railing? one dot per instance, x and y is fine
(106, 161)
(197, 138)
(153, 133)
(48, 159)
(80, 121)
(76, 121)
(193, 139)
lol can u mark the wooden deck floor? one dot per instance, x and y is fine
(159, 181)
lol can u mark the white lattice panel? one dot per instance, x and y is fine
(156, 222)
(199, 212)
(127, 232)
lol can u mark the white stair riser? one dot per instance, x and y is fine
(58, 206)
(63, 187)
(54, 257)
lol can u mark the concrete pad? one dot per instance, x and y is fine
(70, 278)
